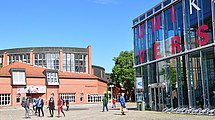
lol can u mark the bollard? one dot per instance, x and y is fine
(139, 106)
(143, 106)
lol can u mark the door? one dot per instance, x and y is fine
(157, 97)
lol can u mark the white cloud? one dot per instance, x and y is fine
(104, 2)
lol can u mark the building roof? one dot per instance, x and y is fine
(36, 71)
(43, 50)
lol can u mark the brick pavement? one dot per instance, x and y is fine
(94, 112)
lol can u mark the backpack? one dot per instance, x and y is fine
(63, 102)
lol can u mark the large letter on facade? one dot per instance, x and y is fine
(141, 58)
(154, 22)
(175, 44)
(205, 35)
(157, 50)
(138, 31)
(173, 14)
(194, 5)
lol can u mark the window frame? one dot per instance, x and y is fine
(94, 98)
(54, 72)
(18, 70)
(68, 95)
(3, 101)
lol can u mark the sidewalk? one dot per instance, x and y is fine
(94, 112)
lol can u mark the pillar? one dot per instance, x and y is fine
(89, 60)
(5, 59)
(61, 60)
(31, 57)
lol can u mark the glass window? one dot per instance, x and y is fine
(166, 2)
(158, 8)
(4, 99)
(68, 96)
(151, 40)
(52, 78)
(135, 22)
(91, 98)
(208, 66)
(81, 97)
(18, 78)
(142, 17)
(149, 13)
(18, 98)
(194, 23)
(174, 30)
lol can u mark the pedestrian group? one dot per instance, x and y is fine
(38, 104)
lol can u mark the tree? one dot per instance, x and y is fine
(123, 71)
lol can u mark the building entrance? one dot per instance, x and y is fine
(157, 95)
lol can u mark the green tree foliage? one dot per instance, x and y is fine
(123, 71)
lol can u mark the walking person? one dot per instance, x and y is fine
(40, 107)
(122, 102)
(26, 106)
(214, 98)
(105, 102)
(51, 106)
(60, 106)
(114, 103)
(34, 104)
(67, 105)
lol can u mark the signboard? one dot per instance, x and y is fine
(139, 83)
(31, 89)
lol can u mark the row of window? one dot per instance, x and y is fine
(75, 62)
(94, 98)
(5, 98)
(71, 62)
(68, 96)
(19, 57)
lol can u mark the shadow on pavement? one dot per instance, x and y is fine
(127, 108)
(70, 109)
(119, 114)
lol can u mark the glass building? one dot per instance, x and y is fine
(67, 59)
(174, 54)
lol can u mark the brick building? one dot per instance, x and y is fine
(28, 72)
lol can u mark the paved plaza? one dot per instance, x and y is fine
(94, 112)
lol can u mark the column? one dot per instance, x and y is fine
(89, 60)
(5, 59)
(31, 57)
(61, 60)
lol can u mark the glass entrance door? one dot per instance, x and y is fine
(157, 96)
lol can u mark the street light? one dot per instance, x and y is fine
(111, 86)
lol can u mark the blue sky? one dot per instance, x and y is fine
(103, 24)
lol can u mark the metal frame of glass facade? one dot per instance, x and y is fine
(174, 53)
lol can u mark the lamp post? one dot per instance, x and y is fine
(111, 86)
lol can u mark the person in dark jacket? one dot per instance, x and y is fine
(26, 106)
(40, 107)
(214, 98)
(67, 105)
(51, 106)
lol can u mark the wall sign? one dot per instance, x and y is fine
(139, 83)
(31, 89)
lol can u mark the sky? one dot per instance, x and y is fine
(105, 25)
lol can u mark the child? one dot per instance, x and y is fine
(114, 103)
